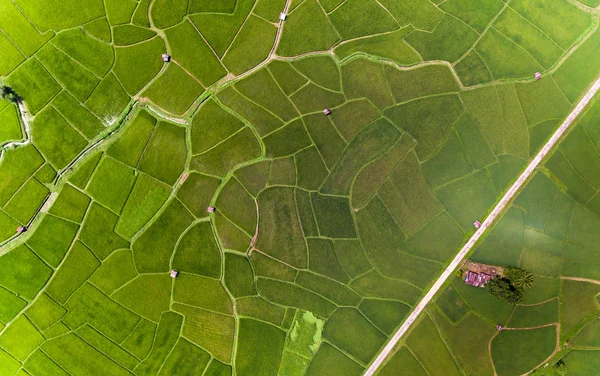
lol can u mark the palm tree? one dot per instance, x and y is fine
(523, 280)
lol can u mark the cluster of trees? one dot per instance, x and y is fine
(510, 287)
(8, 93)
(558, 369)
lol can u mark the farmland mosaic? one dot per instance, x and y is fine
(269, 187)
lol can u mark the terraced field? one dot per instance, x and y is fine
(327, 228)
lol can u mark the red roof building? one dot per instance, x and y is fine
(477, 279)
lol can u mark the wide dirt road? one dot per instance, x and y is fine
(506, 199)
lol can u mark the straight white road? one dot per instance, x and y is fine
(506, 199)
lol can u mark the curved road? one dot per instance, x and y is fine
(506, 199)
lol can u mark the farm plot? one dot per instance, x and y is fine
(274, 196)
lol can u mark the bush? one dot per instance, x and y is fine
(8, 93)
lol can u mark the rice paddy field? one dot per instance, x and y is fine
(191, 187)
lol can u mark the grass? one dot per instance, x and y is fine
(260, 309)
(165, 339)
(362, 78)
(186, 358)
(44, 312)
(421, 14)
(493, 47)
(239, 278)
(90, 306)
(76, 115)
(211, 331)
(139, 343)
(299, 37)
(402, 360)
(328, 355)
(61, 234)
(21, 338)
(372, 176)
(147, 295)
(111, 184)
(167, 140)
(258, 85)
(75, 78)
(429, 348)
(56, 139)
(578, 304)
(374, 285)
(98, 234)
(436, 170)
(165, 14)
(137, 65)
(91, 53)
(116, 270)
(537, 315)
(261, 348)
(281, 236)
(192, 52)
(450, 39)
(125, 35)
(538, 344)
(420, 82)
(239, 148)
(369, 144)
(334, 291)
(251, 46)
(109, 99)
(34, 84)
(212, 125)
(311, 169)
(323, 260)
(353, 116)
(174, 90)
(384, 314)
(111, 349)
(288, 78)
(545, 14)
(427, 120)
(147, 196)
(238, 206)
(292, 295)
(11, 131)
(19, 29)
(11, 305)
(390, 46)
(25, 203)
(476, 14)
(202, 292)
(263, 121)
(352, 257)
(471, 70)
(153, 249)
(351, 19)
(321, 70)
(533, 40)
(382, 241)
(78, 266)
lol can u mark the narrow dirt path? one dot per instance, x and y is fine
(504, 202)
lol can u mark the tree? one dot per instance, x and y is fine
(520, 278)
(503, 289)
(8, 93)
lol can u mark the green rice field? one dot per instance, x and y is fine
(194, 187)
